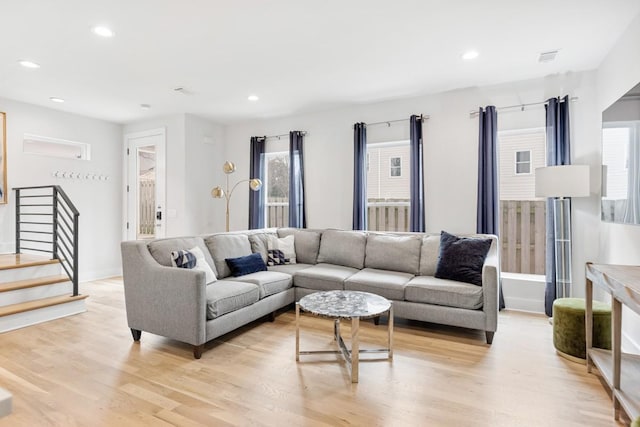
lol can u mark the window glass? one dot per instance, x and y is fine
(522, 214)
(388, 186)
(277, 189)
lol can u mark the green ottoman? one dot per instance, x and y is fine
(569, 328)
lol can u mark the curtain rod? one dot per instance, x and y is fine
(388, 122)
(264, 138)
(475, 113)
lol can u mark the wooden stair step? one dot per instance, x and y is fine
(32, 283)
(39, 303)
(10, 261)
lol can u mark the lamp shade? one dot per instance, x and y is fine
(563, 181)
(255, 184)
(217, 193)
(229, 167)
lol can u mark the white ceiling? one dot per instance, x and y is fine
(296, 55)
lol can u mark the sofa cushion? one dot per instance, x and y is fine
(291, 269)
(226, 296)
(269, 282)
(281, 251)
(462, 258)
(161, 249)
(223, 246)
(307, 243)
(388, 284)
(431, 290)
(344, 248)
(393, 252)
(244, 265)
(429, 254)
(193, 259)
(323, 277)
(260, 243)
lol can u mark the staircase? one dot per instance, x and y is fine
(35, 288)
(32, 291)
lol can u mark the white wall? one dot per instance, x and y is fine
(619, 243)
(99, 202)
(194, 161)
(205, 157)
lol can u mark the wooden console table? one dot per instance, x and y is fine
(621, 371)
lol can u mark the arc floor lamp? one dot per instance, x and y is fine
(228, 168)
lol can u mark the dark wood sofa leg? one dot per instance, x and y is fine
(376, 320)
(197, 351)
(489, 336)
(136, 333)
(272, 316)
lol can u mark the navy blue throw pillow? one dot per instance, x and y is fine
(246, 264)
(462, 258)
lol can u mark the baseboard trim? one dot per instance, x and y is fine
(89, 276)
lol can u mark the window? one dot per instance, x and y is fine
(54, 147)
(523, 162)
(522, 214)
(395, 166)
(276, 182)
(387, 189)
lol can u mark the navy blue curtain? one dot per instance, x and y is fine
(488, 206)
(297, 205)
(360, 176)
(558, 153)
(416, 181)
(256, 170)
(488, 197)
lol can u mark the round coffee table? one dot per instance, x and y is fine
(352, 305)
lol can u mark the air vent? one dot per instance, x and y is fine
(547, 56)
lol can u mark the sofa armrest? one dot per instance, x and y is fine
(163, 300)
(491, 286)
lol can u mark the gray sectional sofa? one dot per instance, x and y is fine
(178, 304)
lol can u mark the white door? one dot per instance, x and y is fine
(145, 184)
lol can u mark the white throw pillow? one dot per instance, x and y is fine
(281, 251)
(201, 264)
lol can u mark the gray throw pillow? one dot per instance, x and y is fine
(462, 258)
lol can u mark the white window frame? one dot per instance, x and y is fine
(265, 184)
(391, 167)
(516, 162)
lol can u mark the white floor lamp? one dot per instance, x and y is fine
(561, 183)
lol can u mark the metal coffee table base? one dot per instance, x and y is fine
(351, 356)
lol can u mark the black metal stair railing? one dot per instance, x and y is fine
(47, 221)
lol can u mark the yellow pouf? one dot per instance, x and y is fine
(569, 327)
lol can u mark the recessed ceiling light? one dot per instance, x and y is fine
(28, 64)
(253, 98)
(103, 31)
(472, 54)
(54, 99)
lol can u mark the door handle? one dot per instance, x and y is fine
(159, 215)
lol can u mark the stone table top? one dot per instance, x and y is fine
(344, 304)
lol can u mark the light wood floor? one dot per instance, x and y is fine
(85, 370)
